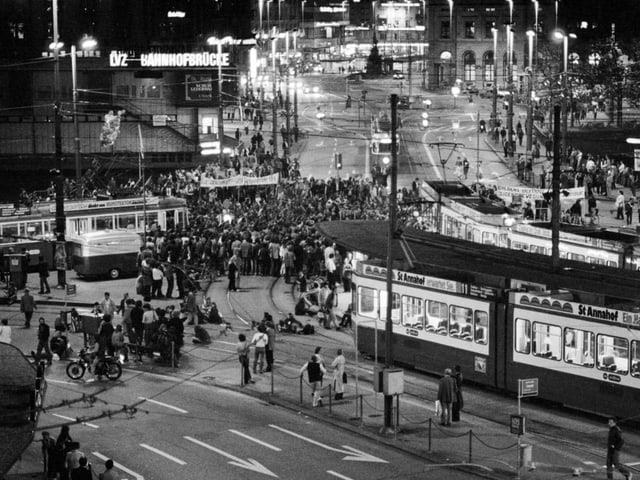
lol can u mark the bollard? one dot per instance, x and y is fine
(397, 412)
(361, 410)
(470, 444)
(330, 399)
(241, 374)
(173, 355)
(429, 436)
(300, 389)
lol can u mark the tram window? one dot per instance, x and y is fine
(481, 320)
(578, 347)
(152, 218)
(10, 230)
(368, 302)
(635, 358)
(104, 222)
(488, 238)
(563, 254)
(612, 264)
(460, 319)
(613, 354)
(127, 221)
(395, 305)
(523, 336)
(576, 257)
(34, 229)
(412, 312)
(538, 249)
(171, 219)
(547, 340)
(437, 317)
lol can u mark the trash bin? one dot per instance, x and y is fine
(526, 452)
(17, 270)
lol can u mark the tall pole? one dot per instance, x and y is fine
(555, 192)
(274, 108)
(494, 104)
(287, 101)
(220, 112)
(565, 91)
(60, 218)
(510, 101)
(424, 45)
(76, 128)
(529, 123)
(388, 352)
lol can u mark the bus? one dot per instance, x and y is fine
(110, 253)
(84, 216)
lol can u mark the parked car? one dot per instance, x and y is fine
(470, 89)
(398, 75)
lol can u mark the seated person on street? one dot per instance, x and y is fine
(290, 324)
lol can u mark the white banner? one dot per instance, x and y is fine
(511, 194)
(238, 181)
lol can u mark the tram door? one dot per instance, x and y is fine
(80, 226)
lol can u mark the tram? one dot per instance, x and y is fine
(85, 216)
(502, 316)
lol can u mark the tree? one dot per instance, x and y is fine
(374, 61)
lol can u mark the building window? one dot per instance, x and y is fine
(445, 29)
(469, 29)
(487, 67)
(469, 60)
(489, 25)
(16, 29)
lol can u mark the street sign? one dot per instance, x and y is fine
(517, 424)
(527, 387)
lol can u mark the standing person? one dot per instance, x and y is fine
(43, 273)
(5, 331)
(169, 272)
(48, 455)
(43, 342)
(338, 374)
(118, 343)
(232, 273)
(27, 306)
(72, 460)
(156, 281)
(63, 446)
(330, 304)
(243, 347)
(83, 472)
(137, 326)
(149, 318)
(191, 308)
(619, 206)
(459, 403)
(446, 396)
(260, 340)
(123, 303)
(105, 334)
(107, 305)
(628, 211)
(271, 333)
(614, 445)
(109, 473)
(315, 371)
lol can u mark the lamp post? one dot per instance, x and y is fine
(452, 35)
(558, 35)
(494, 105)
(529, 124)
(274, 109)
(510, 85)
(219, 42)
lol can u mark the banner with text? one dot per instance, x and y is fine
(515, 194)
(238, 181)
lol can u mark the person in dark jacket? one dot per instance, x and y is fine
(43, 342)
(315, 371)
(43, 273)
(446, 396)
(459, 403)
(614, 445)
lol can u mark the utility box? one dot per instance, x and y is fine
(17, 270)
(393, 381)
(378, 381)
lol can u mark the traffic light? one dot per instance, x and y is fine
(337, 160)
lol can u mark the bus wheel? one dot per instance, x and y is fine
(114, 273)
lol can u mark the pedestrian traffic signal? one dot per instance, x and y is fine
(337, 160)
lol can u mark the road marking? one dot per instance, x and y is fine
(352, 453)
(137, 476)
(164, 454)
(163, 404)
(61, 382)
(260, 442)
(632, 464)
(336, 474)
(75, 420)
(249, 463)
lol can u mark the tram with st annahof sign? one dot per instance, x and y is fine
(85, 216)
(502, 316)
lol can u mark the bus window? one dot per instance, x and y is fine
(635, 358)
(578, 347)
(104, 222)
(437, 317)
(368, 302)
(613, 354)
(460, 319)
(481, 320)
(395, 306)
(523, 336)
(547, 340)
(412, 312)
(127, 221)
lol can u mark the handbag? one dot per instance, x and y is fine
(344, 377)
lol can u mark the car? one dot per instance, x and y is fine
(397, 75)
(470, 89)
(404, 103)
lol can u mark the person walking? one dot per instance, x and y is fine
(620, 205)
(243, 347)
(315, 371)
(614, 445)
(459, 403)
(107, 305)
(339, 374)
(48, 455)
(5, 331)
(27, 306)
(43, 274)
(446, 396)
(191, 308)
(43, 342)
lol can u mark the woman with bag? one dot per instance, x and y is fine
(339, 375)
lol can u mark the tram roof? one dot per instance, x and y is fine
(481, 264)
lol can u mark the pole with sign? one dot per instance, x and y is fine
(527, 387)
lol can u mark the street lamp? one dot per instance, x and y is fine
(494, 105)
(529, 124)
(510, 85)
(559, 35)
(219, 42)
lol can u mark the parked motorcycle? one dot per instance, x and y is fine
(107, 366)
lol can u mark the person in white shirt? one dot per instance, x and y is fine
(260, 340)
(338, 374)
(5, 331)
(107, 305)
(620, 206)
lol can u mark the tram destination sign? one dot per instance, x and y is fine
(95, 204)
(527, 387)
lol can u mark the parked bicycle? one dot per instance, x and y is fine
(107, 366)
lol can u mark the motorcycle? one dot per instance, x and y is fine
(107, 366)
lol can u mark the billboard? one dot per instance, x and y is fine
(198, 88)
